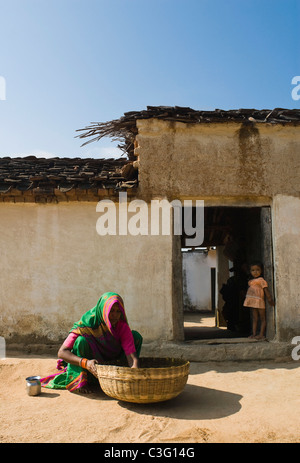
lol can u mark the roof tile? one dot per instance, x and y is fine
(49, 177)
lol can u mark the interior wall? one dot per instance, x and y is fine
(197, 280)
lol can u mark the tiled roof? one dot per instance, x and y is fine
(275, 116)
(35, 179)
(125, 129)
(40, 179)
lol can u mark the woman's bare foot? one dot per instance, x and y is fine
(85, 390)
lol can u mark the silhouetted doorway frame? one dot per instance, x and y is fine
(254, 224)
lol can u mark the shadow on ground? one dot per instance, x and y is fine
(194, 403)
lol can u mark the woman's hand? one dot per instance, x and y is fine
(68, 356)
(133, 360)
(91, 367)
(135, 364)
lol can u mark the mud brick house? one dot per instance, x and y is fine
(244, 164)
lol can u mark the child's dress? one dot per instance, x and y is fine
(255, 296)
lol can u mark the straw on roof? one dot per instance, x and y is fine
(125, 130)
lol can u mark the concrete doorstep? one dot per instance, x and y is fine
(220, 350)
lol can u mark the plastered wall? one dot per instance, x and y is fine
(234, 164)
(225, 160)
(286, 231)
(55, 266)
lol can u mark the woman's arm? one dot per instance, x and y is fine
(132, 360)
(68, 356)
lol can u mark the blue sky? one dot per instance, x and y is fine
(66, 63)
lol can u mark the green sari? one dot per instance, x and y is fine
(96, 340)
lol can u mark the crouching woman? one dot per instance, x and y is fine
(102, 334)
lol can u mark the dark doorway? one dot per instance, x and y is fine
(239, 235)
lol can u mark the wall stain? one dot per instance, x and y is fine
(251, 165)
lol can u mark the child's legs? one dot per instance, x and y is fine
(254, 320)
(262, 316)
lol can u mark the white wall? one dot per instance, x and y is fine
(197, 279)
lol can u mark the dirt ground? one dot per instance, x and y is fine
(222, 402)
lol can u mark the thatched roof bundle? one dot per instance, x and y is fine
(124, 130)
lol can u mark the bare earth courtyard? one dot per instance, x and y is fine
(222, 402)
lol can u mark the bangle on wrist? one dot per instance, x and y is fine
(83, 362)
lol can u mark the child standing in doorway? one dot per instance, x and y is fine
(255, 299)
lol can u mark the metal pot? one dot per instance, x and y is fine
(33, 385)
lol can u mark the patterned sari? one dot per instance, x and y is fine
(95, 341)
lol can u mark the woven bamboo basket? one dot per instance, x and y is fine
(157, 380)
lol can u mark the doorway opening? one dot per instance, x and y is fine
(215, 275)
